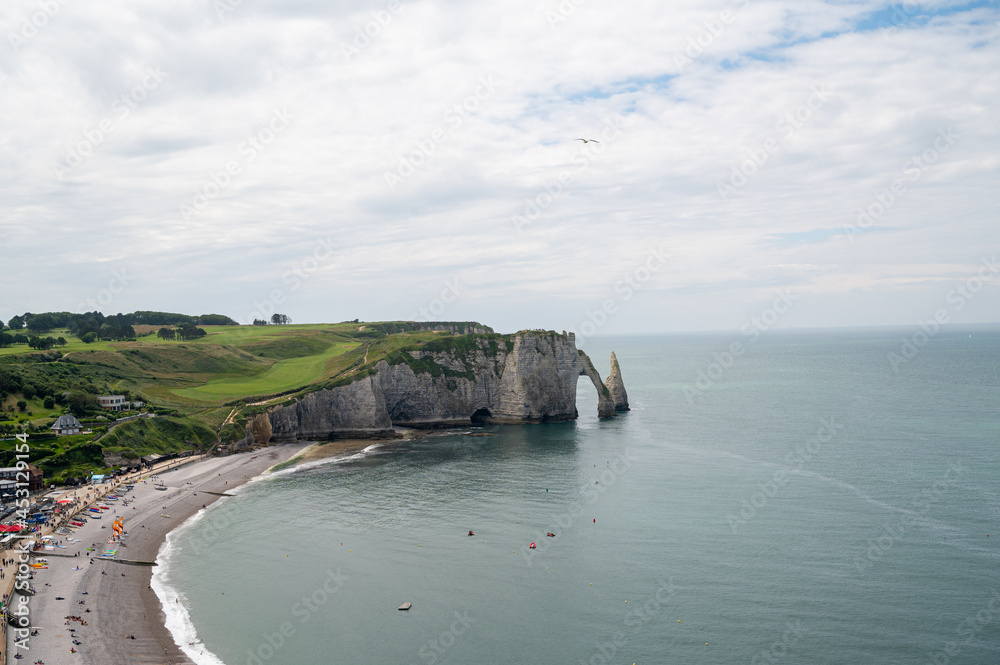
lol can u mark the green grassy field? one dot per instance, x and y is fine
(283, 375)
(195, 381)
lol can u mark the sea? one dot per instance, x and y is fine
(807, 496)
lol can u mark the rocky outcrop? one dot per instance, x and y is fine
(616, 386)
(354, 410)
(530, 376)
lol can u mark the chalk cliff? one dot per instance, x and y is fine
(530, 376)
(616, 386)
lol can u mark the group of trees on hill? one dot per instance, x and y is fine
(112, 327)
(35, 342)
(185, 331)
(276, 319)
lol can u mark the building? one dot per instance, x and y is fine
(114, 402)
(65, 425)
(11, 476)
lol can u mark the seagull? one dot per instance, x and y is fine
(589, 140)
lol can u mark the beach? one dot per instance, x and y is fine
(118, 596)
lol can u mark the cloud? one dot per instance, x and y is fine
(371, 87)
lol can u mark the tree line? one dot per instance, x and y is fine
(276, 319)
(111, 327)
(185, 331)
(34, 341)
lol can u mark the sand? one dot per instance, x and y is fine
(121, 602)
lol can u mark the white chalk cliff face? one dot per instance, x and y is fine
(616, 386)
(526, 377)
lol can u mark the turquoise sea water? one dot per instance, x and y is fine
(806, 504)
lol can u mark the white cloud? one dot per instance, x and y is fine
(687, 126)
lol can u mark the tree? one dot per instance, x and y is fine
(16, 323)
(166, 333)
(40, 323)
(80, 402)
(276, 319)
(49, 403)
(260, 322)
(190, 331)
(22, 405)
(61, 341)
(89, 337)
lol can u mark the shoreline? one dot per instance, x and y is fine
(121, 602)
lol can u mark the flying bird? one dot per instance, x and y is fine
(589, 140)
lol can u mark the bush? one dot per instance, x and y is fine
(22, 405)
(49, 403)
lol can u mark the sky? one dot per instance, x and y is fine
(772, 163)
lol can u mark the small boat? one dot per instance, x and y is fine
(162, 488)
(550, 535)
(405, 606)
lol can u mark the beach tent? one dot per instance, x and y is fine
(10, 528)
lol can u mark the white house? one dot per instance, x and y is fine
(115, 402)
(65, 425)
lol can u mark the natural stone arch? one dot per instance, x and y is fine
(605, 406)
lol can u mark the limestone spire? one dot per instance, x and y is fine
(616, 386)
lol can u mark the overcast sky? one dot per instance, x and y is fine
(836, 161)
